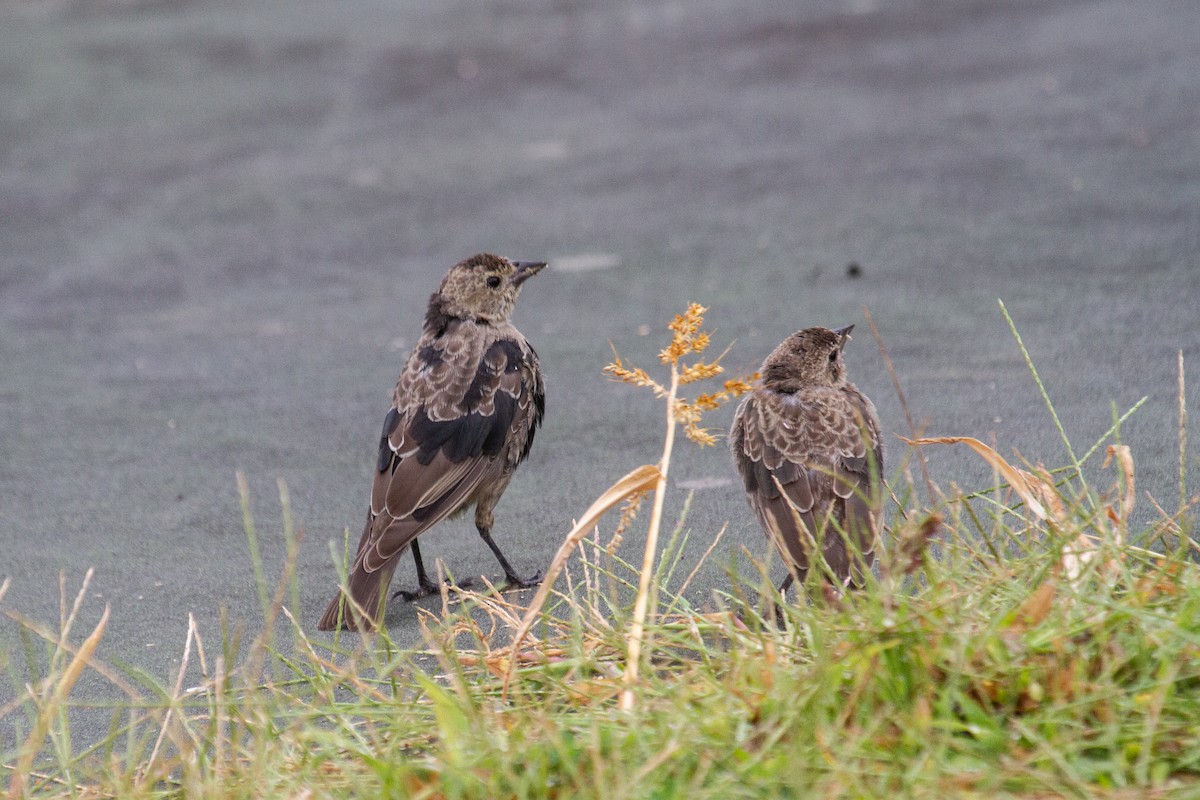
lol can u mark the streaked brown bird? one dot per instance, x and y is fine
(464, 414)
(806, 444)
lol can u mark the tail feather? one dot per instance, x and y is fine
(367, 589)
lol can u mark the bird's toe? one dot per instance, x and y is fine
(428, 588)
(517, 582)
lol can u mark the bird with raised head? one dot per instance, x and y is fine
(807, 445)
(463, 416)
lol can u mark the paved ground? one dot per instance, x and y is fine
(219, 223)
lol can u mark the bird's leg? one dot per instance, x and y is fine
(425, 586)
(515, 581)
(777, 605)
(483, 523)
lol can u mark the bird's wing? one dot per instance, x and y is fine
(797, 457)
(861, 481)
(464, 415)
(766, 473)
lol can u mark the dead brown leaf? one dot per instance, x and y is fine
(1016, 478)
(1036, 607)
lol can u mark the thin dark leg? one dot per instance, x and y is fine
(514, 581)
(777, 603)
(422, 576)
(425, 586)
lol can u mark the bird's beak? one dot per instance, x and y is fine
(843, 334)
(526, 270)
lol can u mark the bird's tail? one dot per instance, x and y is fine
(367, 589)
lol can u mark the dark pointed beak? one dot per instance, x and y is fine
(843, 333)
(526, 270)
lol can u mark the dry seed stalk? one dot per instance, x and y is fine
(687, 338)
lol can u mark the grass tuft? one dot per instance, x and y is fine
(1019, 640)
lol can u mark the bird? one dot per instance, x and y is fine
(806, 443)
(464, 413)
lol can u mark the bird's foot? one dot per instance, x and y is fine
(514, 581)
(427, 588)
(780, 618)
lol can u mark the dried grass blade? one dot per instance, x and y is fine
(1013, 476)
(1124, 458)
(17, 786)
(639, 480)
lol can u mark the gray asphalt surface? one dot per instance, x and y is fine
(220, 222)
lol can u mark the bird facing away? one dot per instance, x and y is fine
(464, 413)
(806, 444)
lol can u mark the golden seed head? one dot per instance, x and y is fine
(699, 372)
(687, 338)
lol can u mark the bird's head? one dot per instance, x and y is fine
(811, 357)
(485, 286)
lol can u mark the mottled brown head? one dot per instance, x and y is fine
(811, 357)
(483, 287)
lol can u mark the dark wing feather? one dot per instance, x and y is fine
(530, 419)
(861, 475)
(439, 460)
(804, 465)
(466, 406)
(778, 489)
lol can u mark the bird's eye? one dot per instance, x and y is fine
(833, 357)
(493, 281)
